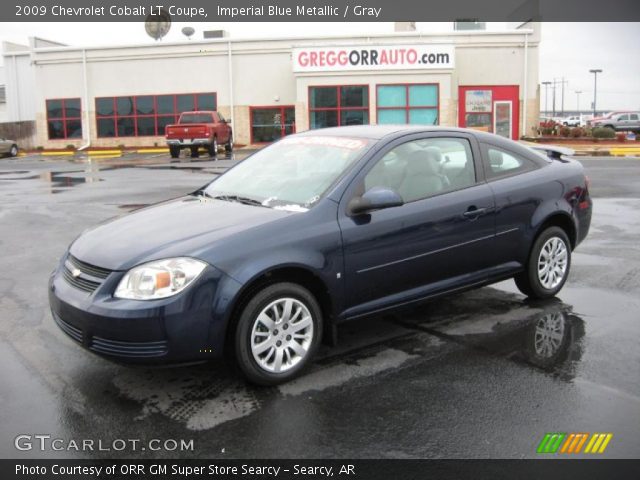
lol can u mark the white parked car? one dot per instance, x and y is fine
(573, 121)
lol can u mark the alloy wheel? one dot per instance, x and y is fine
(552, 263)
(282, 335)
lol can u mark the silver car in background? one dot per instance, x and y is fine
(624, 121)
(8, 147)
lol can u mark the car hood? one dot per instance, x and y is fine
(186, 226)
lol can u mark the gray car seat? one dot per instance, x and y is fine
(422, 178)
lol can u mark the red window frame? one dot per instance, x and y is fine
(282, 108)
(339, 108)
(64, 117)
(154, 115)
(407, 108)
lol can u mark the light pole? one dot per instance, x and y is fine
(578, 92)
(554, 97)
(595, 72)
(546, 97)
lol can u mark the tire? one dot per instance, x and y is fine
(260, 365)
(213, 148)
(194, 152)
(228, 147)
(174, 150)
(13, 152)
(538, 285)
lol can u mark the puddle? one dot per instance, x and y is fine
(545, 334)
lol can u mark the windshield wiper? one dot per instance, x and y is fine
(239, 199)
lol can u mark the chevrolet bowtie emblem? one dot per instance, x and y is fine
(75, 273)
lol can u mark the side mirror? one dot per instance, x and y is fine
(377, 198)
(228, 122)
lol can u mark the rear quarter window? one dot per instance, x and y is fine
(499, 162)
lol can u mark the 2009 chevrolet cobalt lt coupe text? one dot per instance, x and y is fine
(319, 228)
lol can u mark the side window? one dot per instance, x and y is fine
(623, 117)
(500, 163)
(424, 168)
(633, 117)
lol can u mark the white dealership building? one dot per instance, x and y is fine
(125, 95)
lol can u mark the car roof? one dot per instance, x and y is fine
(378, 132)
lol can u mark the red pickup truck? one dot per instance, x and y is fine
(199, 129)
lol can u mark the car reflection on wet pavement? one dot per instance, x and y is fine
(480, 374)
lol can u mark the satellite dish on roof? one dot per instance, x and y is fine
(188, 31)
(158, 25)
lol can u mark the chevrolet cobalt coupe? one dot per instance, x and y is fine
(313, 230)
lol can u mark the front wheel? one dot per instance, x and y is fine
(548, 266)
(278, 332)
(14, 151)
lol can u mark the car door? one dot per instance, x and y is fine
(442, 233)
(223, 129)
(634, 122)
(621, 122)
(519, 189)
(4, 146)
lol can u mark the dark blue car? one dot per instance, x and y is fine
(316, 229)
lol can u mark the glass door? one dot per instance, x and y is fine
(502, 120)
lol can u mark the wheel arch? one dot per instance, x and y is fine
(298, 274)
(558, 219)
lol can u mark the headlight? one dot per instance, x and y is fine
(159, 279)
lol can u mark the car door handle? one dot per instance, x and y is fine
(473, 212)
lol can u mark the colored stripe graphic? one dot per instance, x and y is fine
(572, 443)
(551, 442)
(598, 443)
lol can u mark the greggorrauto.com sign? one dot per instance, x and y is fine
(373, 57)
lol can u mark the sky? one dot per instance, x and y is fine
(567, 50)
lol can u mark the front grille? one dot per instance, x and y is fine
(69, 329)
(129, 349)
(79, 282)
(87, 269)
(89, 277)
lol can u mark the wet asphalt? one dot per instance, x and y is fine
(463, 377)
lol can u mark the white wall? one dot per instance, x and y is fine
(261, 69)
(20, 77)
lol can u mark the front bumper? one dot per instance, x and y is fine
(189, 326)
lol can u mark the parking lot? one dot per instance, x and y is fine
(466, 376)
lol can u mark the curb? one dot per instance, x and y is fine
(109, 153)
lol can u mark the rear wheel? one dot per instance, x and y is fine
(213, 147)
(548, 266)
(194, 152)
(13, 152)
(228, 147)
(278, 332)
(174, 150)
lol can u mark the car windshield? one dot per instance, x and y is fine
(292, 174)
(196, 118)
